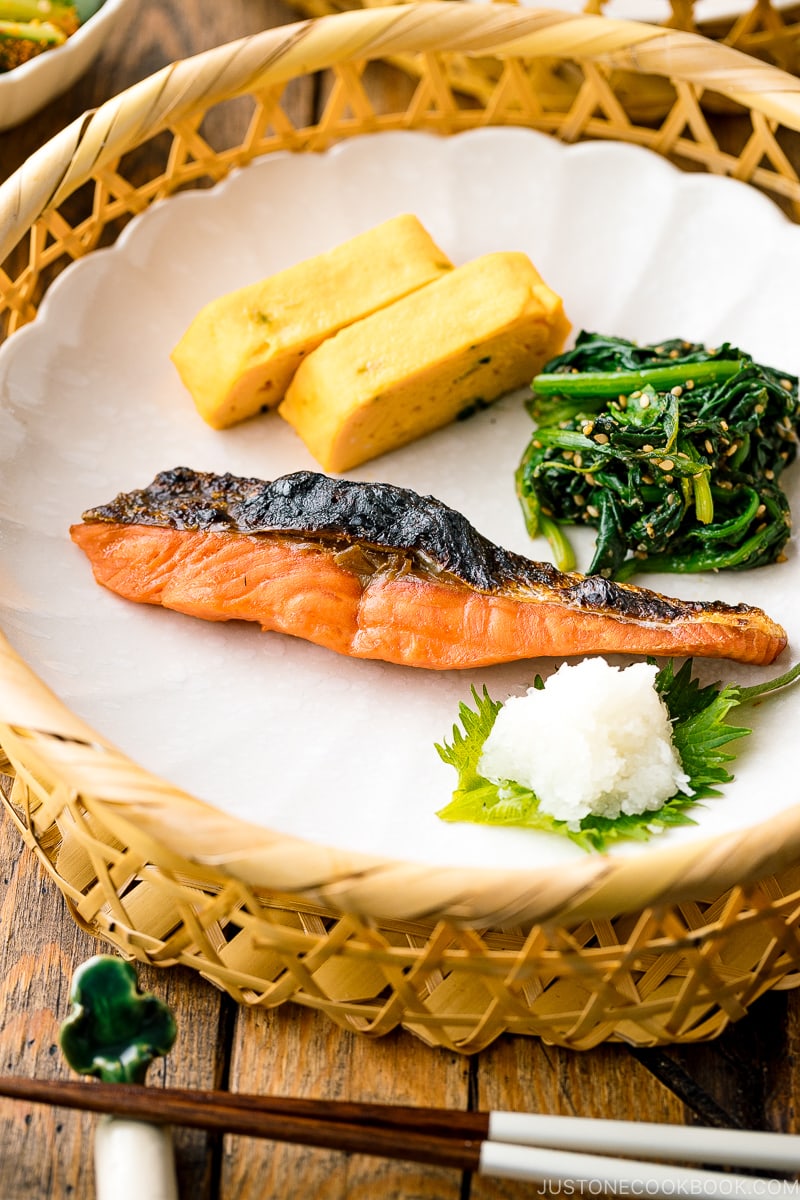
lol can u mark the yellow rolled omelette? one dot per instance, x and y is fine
(476, 333)
(242, 349)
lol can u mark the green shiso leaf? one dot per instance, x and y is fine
(701, 734)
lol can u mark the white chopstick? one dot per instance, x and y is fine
(730, 1147)
(597, 1175)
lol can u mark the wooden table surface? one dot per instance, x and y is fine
(748, 1078)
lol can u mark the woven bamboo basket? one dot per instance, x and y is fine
(628, 951)
(764, 30)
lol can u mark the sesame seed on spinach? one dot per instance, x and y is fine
(672, 452)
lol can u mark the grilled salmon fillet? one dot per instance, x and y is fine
(376, 571)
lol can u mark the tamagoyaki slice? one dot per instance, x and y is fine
(457, 344)
(241, 350)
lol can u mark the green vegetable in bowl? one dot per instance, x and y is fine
(672, 452)
(700, 733)
(29, 27)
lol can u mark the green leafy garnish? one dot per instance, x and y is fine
(672, 452)
(700, 732)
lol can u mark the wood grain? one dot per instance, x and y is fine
(745, 1079)
(307, 1055)
(151, 35)
(604, 1082)
(36, 957)
(40, 949)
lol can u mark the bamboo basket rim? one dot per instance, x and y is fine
(180, 832)
(96, 138)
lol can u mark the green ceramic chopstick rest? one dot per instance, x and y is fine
(113, 1032)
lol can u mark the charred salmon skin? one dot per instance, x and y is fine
(377, 571)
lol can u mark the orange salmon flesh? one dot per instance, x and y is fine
(411, 618)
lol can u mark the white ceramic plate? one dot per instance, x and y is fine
(275, 730)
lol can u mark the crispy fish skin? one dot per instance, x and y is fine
(377, 571)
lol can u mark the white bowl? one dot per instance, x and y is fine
(27, 88)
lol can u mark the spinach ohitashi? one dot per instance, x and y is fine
(672, 452)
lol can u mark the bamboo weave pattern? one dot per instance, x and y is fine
(378, 945)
